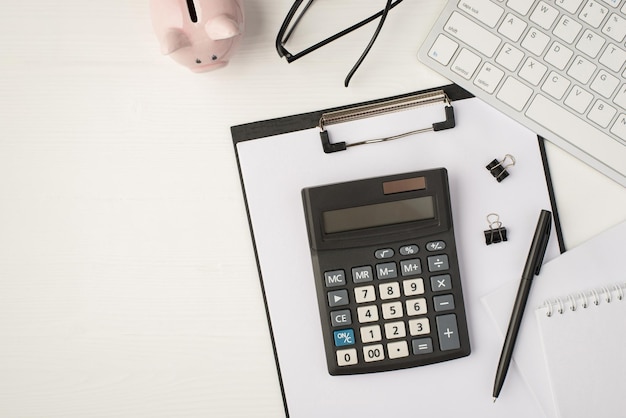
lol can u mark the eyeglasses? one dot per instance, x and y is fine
(287, 28)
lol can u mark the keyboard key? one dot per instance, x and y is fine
(559, 55)
(389, 290)
(443, 49)
(419, 326)
(601, 113)
(593, 13)
(489, 77)
(514, 93)
(567, 29)
(395, 330)
(413, 287)
(615, 27)
(590, 43)
(392, 310)
(536, 41)
(338, 298)
(416, 307)
(509, 57)
(466, 63)
(555, 85)
(483, 10)
(581, 69)
(520, 6)
(341, 318)
(533, 71)
(364, 294)
(569, 5)
(443, 303)
(580, 134)
(367, 313)
(619, 128)
(448, 332)
(344, 337)
(613, 57)
(422, 345)
(347, 357)
(544, 15)
(512, 27)
(579, 99)
(472, 34)
(371, 334)
(605, 84)
(620, 97)
(398, 349)
(373, 353)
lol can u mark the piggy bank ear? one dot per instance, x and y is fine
(222, 27)
(174, 39)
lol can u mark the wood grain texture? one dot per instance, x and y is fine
(128, 284)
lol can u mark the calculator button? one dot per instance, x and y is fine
(411, 267)
(335, 278)
(371, 334)
(398, 349)
(435, 246)
(395, 330)
(344, 337)
(438, 263)
(386, 270)
(443, 303)
(422, 345)
(362, 274)
(413, 287)
(341, 318)
(420, 326)
(416, 307)
(389, 290)
(373, 353)
(441, 282)
(409, 249)
(392, 310)
(384, 253)
(364, 294)
(347, 357)
(367, 313)
(338, 298)
(448, 332)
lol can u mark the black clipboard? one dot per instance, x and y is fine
(284, 134)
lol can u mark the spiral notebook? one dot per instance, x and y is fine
(583, 336)
(580, 350)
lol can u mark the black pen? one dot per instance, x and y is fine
(532, 267)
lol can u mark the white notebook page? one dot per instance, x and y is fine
(584, 352)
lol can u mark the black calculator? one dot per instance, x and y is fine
(386, 272)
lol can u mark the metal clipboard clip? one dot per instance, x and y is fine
(381, 108)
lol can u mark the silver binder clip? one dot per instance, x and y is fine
(498, 168)
(496, 232)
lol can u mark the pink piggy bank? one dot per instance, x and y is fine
(199, 34)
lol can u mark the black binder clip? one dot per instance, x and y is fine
(496, 232)
(498, 168)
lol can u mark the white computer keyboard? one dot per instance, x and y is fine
(556, 66)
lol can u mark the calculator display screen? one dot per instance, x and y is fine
(380, 214)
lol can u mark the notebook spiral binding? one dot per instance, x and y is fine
(605, 294)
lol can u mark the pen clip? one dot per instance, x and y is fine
(545, 225)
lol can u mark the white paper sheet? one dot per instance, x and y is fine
(275, 169)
